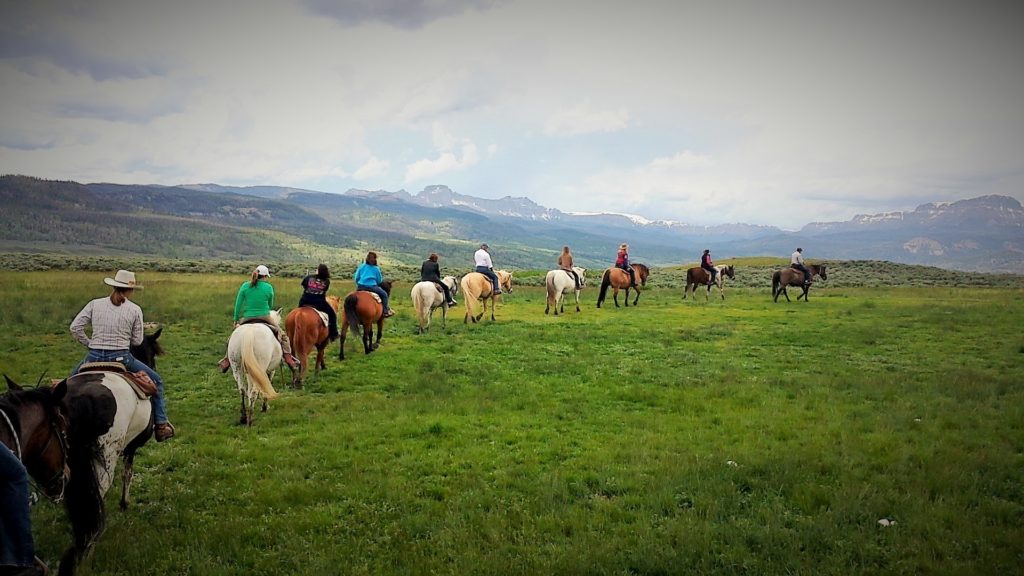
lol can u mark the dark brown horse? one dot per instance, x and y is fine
(34, 427)
(792, 277)
(618, 279)
(308, 331)
(362, 310)
(699, 276)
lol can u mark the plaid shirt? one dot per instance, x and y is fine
(113, 327)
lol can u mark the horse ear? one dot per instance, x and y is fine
(58, 390)
(157, 333)
(11, 384)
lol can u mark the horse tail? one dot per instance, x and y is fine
(421, 306)
(776, 281)
(82, 498)
(351, 315)
(469, 295)
(256, 374)
(606, 281)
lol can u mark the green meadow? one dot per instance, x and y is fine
(676, 437)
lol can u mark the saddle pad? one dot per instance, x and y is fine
(140, 382)
(374, 294)
(323, 317)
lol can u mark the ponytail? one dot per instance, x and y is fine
(255, 278)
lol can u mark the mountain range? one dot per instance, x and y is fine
(260, 222)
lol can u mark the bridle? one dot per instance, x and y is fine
(58, 430)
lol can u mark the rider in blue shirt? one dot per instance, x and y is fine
(369, 278)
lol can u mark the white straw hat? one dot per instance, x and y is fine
(123, 279)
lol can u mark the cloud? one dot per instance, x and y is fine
(448, 145)
(373, 168)
(585, 119)
(407, 14)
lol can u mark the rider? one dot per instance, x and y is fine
(314, 294)
(482, 258)
(254, 302)
(17, 549)
(116, 326)
(565, 263)
(430, 271)
(705, 263)
(796, 261)
(622, 261)
(369, 278)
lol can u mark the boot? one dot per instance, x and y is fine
(224, 365)
(290, 360)
(163, 431)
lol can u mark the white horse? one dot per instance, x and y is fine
(558, 282)
(426, 297)
(255, 354)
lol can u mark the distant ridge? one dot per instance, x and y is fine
(210, 220)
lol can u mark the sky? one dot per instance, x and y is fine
(774, 112)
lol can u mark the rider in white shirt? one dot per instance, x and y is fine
(796, 261)
(482, 258)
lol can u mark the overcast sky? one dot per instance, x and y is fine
(765, 112)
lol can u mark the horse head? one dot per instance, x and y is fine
(386, 285)
(505, 279)
(642, 272)
(582, 273)
(38, 433)
(275, 317)
(729, 271)
(452, 283)
(149, 349)
(821, 272)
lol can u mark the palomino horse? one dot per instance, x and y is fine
(427, 297)
(618, 279)
(307, 330)
(477, 287)
(255, 353)
(558, 282)
(699, 276)
(362, 309)
(793, 277)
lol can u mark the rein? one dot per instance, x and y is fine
(10, 426)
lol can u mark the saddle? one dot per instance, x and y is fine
(323, 315)
(374, 294)
(140, 382)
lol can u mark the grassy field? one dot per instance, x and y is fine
(735, 437)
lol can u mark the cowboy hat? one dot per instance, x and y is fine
(123, 279)
(623, 246)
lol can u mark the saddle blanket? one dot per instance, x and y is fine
(374, 294)
(323, 315)
(140, 382)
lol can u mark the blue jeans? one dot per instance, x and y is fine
(133, 365)
(491, 275)
(16, 545)
(384, 299)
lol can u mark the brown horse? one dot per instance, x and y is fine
(618, 279)
(699, 276)
(306, 331)
(792, 277)
(34, 427)
(362, 310)
(476, 286)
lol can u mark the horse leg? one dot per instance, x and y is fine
(494, 303)
(615, 296)
(127, 474)
(380, 332)
(244, 417)
(367, 338)
(341, 340)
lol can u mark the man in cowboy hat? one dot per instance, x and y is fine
(116, 326)
(622, 261)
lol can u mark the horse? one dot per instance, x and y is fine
(698, 276)
(33, 425)
(476, 286)
(427, 297)
(308, 330)
(254, 353)
(618, 279)
(362, 309)
(793, 277)
(558, 282)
